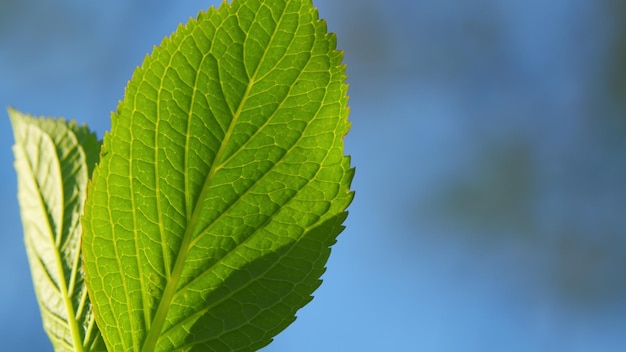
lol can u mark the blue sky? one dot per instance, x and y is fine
(489, 139)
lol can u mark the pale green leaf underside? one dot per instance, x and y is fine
(53, 159)
(222, 184)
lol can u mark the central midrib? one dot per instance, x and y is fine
(170, 289)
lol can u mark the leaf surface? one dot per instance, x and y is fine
(53, 160)
(222, 184)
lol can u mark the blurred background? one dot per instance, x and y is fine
(489, 139)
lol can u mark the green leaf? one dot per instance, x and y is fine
(54, 160)
(222, 184)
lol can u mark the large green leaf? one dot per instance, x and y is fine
(54, 160)
(222, 184)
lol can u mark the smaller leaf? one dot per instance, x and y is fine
(54, 160)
